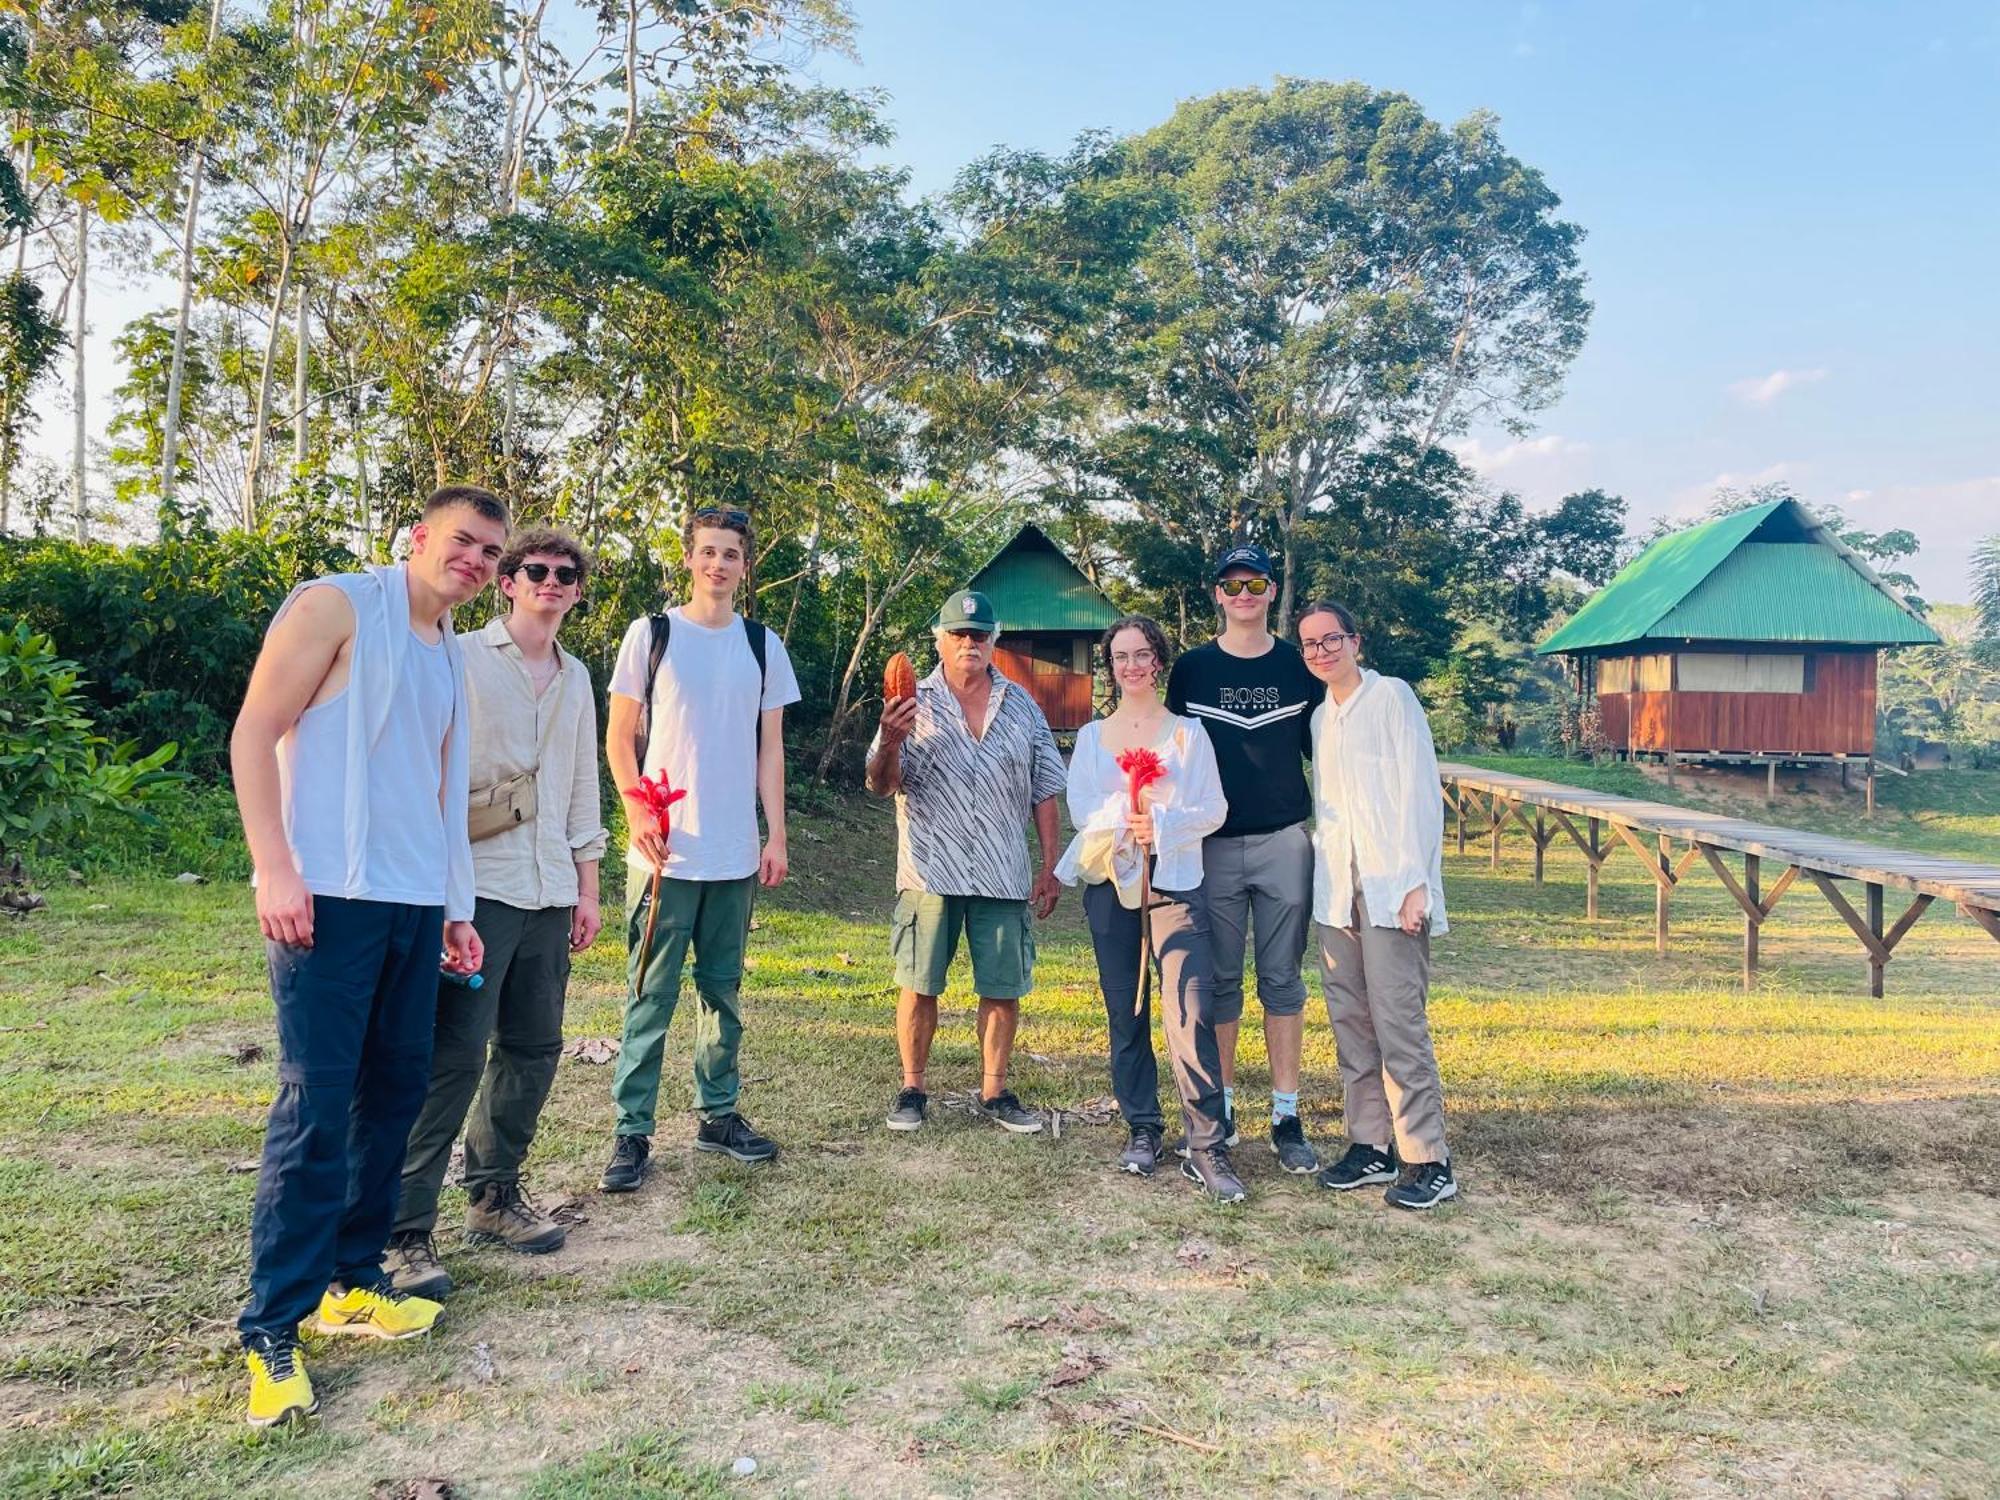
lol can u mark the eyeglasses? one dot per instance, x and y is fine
(1234, 586)
(1326, 645)
(539, 572)
(728, 515)
(1142, 658)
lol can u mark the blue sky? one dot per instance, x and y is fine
(1793, 211)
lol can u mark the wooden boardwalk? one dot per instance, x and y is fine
(1601, 823)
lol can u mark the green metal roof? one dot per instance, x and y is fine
(1034, 586)
(1769, 573)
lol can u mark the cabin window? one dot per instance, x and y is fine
(1743, 672)
(1614, 674)
(1653, 674)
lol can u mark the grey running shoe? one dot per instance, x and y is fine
(411, 1264)
(1142, 1153)
(908, 1113)
(1424, 1184)
(1358, 1167)
(1004, 1110)
(502, 1214)
(1211, 1172)
(734, 1136)
(628, 1164)
(1289, 1144)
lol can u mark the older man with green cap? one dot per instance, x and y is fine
(970, 760)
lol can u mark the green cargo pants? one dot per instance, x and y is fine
(713, 915)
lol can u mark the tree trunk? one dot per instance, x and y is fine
(301, 378)
(170, 427)
(260, 415)
(82, 387)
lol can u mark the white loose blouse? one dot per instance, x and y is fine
(1187, 806)
(1377, 806)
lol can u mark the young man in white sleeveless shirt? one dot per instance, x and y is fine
(350, 758)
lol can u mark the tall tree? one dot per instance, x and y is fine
(1340, 269)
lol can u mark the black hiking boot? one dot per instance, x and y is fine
(628, 1164)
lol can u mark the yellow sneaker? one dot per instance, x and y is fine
(279, 1389)
(376, 1314)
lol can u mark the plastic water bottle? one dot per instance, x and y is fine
(463, 981)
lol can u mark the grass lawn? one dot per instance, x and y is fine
(1709, 1244)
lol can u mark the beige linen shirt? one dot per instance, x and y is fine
(534, 866)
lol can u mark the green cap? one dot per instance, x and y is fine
(968, 609)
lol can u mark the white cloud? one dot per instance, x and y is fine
(1494, 459)
(1693, 499)
(1762, 390)
(1949, 519)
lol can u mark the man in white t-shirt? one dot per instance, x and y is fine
(701, 693)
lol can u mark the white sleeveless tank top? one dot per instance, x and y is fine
(405, 857)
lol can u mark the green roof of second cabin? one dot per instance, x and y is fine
(1771, 573)
(1034, 586)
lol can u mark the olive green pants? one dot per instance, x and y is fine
(714, 917)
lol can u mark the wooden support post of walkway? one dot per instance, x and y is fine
(1871, 787)
(1462, 795)
(1498, 816)
(1753, 921)
(1662, 891)
(1597, 858)
(1770, 781)
(1541, 843)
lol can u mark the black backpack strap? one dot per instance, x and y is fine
(758, 637)
(661, 626)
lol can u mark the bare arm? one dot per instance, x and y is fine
(298, 655)
(774, 864)
(885, 763)
(621, 750)
(1047, 833)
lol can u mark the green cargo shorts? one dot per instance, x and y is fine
(923, 936)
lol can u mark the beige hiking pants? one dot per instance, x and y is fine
(1377, 982)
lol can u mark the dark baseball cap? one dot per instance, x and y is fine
(968, 609)
(1248, 555)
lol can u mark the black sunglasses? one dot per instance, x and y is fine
(539, 572)
(1234, 586)
(730, 516)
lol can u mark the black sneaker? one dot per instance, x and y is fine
(411, 1264)
(628, 1164)
(1211, 1172)
(1004, 1110)
(1424, 1184)
(1359, 1166)
(1289, 1144)
(1142, 1152)
(732, 1135)
(909, 1111)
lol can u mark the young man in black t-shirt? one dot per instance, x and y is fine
(1254, 696)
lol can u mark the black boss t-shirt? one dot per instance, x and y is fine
(1258, 714)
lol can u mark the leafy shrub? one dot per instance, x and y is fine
(56, 772)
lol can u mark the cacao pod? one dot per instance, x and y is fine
(899, 679)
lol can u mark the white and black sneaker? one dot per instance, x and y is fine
(1358, 1167)
(1423, 1184)
(908, 1112)
(1142, 1152)
(1004, 1110)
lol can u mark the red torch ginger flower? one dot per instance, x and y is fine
(1142, 768)
(657, 795)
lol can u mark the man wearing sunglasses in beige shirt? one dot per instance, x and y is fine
(538, 835)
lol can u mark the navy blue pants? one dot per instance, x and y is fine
(355, 1015)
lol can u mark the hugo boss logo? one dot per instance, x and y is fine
(1257, 697)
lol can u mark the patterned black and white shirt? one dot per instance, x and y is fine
(962, 815)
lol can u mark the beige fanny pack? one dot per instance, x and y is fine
(501, 806)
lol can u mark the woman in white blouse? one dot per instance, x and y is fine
(1378, 895)
(1112, 844)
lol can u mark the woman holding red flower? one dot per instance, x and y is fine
(1144, 793)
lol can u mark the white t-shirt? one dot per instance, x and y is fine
(705, 711)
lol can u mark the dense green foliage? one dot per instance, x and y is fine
(56, 772)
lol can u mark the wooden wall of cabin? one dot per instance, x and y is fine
(1047, 665)
(1836, 716)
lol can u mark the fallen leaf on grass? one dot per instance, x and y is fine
(31, 1026)
(1078, 1365)
(568, 1211)
(244, 1053)
(594, 1050)
(412, 1489)
(250, 1165)
(1074, 1319)
(633, 1369)
(188, 877)
(1192, 1253)
(844, 959)
(482, 1370)
(1671, 1388)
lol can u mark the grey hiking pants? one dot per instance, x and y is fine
(1180, 942)
(1259, 885)
(1377, 989)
